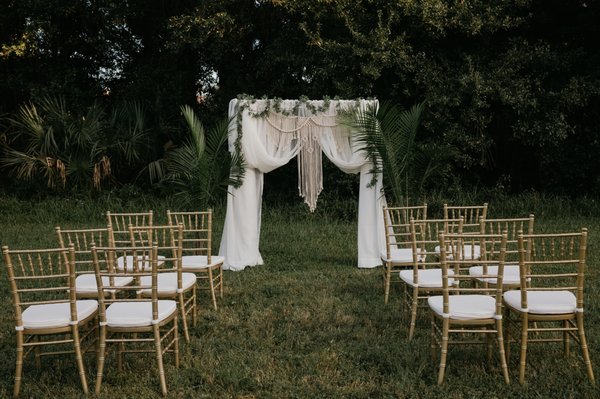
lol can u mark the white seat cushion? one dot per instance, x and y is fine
(511, 274)
(398, 255)
(470, 252)
(142, 265)
(137, 314)
(465, 307)
(86, 283)
(55, 315)
(200, 261)
(543, 302)
(431, 278)
(167, 283)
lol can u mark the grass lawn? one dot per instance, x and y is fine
(306, 324)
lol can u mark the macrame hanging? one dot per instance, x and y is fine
(306, 129)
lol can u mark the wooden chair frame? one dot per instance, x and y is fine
(169, 240)
(549, 264)
(42, 277)
(426, 259)
(454, 318)
(398, 237)
(163, 331)
(197, 241)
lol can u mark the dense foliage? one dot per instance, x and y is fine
(514, 86)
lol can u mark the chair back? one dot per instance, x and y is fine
(39, 277)
(197, 231)
(168, 241)
(512, 227)
(453, 257)
(425, 241)
(82, 240)
(119, 223)
(106, 270)
(553, 262)
(471, 215)
(397, 225)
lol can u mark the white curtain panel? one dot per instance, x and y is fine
(264, 152)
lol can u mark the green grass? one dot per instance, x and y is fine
(306, 324)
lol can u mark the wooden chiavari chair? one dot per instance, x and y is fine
(47, 312)
(398, 251)
(197, 251)
(130, 323)
(465, 310)
(548, 306)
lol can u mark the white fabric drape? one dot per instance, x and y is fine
(265, 151)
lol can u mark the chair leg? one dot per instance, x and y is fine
(37, 351)
(508, 327)
(221, 281)
(524, 334)
(18, 364)
(386, 282)
(433, 345)
(444, 351)
(584, 348)
(101, 358)
(159, 359)
(79, 358)
(566, 340)
(186, 333)
(503, 363)
(212, 288)
(176, 338)
(413, 312)
(195, 305)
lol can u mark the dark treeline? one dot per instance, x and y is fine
(513, 85)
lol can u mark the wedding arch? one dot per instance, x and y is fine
(269, 133)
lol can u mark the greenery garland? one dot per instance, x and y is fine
(274, 105)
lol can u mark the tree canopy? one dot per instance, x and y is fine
(513, 85)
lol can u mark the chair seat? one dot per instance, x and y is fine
(511, 274)
(167, 283)
(398, 255)
(200, 261)
(428, 278)
(465, 307)
(56, 315)
(137, 314)
(543, 302)
(470, 252)
(86, 283)
(142, 265)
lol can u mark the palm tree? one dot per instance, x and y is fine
(70, 149)
(201, 169)
(388, 135)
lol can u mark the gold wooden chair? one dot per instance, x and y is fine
(465, 310)
(197, 251)
(172, 282)
(119, 223)
(398, 251)
(425, 276)
(548, 306)
(47, 312)
(513, 227)
(132, 322)
(82, 240)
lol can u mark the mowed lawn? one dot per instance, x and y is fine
(306, 324)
